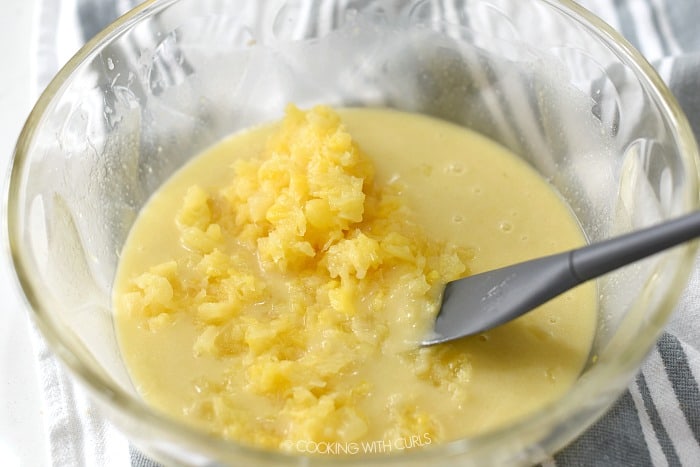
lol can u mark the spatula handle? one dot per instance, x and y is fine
(595, 260)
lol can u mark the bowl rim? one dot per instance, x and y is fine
(621, 370)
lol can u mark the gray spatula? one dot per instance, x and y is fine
(483, 301)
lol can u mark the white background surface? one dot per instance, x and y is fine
(23, 440)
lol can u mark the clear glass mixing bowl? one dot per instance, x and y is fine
(542, 77)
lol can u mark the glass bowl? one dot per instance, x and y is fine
(542, 77)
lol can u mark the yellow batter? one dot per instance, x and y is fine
(274, 290)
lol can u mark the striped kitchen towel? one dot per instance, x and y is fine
(656, 422)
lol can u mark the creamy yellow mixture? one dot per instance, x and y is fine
(275, 289)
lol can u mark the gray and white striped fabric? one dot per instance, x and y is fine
(657, 420)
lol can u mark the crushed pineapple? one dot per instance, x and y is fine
(309, 213)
